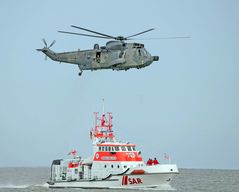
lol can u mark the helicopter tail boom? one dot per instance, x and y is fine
(49, 53)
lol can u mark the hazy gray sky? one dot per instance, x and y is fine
(186, 104)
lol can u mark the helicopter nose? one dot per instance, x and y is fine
(155, 58)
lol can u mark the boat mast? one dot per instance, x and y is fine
(103, 102)
(102, 131)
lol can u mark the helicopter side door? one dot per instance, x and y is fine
(98, 56)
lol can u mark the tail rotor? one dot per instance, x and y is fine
(45, 48)
(53, 42)
(45, 43)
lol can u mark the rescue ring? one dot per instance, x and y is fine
(97, 155)
(132, 155)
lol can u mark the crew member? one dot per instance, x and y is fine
(155, 161)
(149, 162)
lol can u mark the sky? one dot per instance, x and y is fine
(186, 104)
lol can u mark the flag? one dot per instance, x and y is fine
(91, 135)
(73, 152)
(103, 120)
(166, 156)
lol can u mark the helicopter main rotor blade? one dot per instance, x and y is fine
(109, 36)
(140, 33)
(72, 33)
(156, 38)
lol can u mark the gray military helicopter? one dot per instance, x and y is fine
(115, 55)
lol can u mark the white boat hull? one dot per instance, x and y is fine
(156, 177)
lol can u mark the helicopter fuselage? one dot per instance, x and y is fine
(116, 55)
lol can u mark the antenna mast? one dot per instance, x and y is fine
(103, 102)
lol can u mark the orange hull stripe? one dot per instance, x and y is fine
(118, 156)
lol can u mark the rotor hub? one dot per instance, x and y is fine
(120, 38)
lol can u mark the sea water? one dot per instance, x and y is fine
(189, 180)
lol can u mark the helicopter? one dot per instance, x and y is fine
(115, 55)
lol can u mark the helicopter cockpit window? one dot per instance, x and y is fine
(145, 52)
(138, 45)
(139, 52)
(142, 52)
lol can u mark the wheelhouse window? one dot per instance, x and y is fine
(123, 148)
(129, 148)
(133, 148)
(117, 148)
(99, 148)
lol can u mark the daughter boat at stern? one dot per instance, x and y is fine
(114, 164)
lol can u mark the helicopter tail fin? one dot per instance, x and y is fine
(46, 50)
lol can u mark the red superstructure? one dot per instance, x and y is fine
(106, 146)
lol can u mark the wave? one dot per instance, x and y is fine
(11, 186)
(15, 186)
(165, 187)
(42, 185)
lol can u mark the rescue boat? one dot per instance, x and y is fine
(114, 164)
